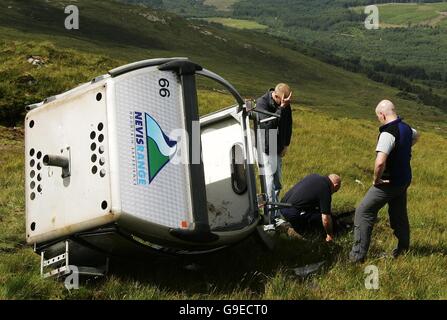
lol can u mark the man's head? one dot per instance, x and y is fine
(335, 182)
(282, 94)
(386, 111)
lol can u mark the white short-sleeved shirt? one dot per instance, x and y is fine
(387, 141)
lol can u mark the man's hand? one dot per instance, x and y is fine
(327, 224)
(285, 101)
(284, 151)
(262, 200)
(379, 168)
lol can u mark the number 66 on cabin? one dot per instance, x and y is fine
(104, 169)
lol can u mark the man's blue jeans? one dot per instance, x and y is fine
(273, 177)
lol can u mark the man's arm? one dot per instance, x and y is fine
(326, 217)
(286, 123)
(416, 136)
(328, 227)
(379, 168)
(384, 147)
(289, 125)
(263, 105)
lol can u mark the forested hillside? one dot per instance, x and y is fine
(407, 52)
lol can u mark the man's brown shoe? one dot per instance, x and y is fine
(288, 229)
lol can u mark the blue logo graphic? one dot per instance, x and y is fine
(160, 148)
(153, 149)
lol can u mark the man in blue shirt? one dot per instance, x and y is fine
(392, 177)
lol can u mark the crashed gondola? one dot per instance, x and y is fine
(124, 166)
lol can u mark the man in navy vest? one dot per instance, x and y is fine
(392, 177)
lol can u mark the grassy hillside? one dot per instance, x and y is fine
(413, 49)
(252, 61)
(333, 31)
(334, 131)
(322, 144)
(220, 5)
(405, 14)
(237, 23)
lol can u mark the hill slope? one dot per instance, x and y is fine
(322, 144)
(117, 33)
(335, 131)
(406, 52)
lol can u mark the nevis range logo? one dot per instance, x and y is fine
(153, 148)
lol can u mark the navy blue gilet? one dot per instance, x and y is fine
(398, 168)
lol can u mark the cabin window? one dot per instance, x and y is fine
(238, 170)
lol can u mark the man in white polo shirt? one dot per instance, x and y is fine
(392, 177)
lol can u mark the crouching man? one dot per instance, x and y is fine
(311, 200)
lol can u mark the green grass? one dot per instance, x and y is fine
(22, 83)
(322, 144)
(405, 14)
(238, 23)
(334, 131)
(220, 5)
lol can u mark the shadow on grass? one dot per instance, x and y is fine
(427, 250)
(245, 266)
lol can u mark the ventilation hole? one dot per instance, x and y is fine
(32, 184)
(104, 205)
(39, 188)
(33, 226)
(102, 173)
(92, 135)
(31, 152)
(102, 161)
(32, 174)
(39, 166)
(101, 149)
(100, 126)
(94, 157)
(93, 146)
(39, 177)
(31, 123)
(99, 97)
(94, 169)
(39, 155)
(33, 196)
(101, 138)
(32, 162)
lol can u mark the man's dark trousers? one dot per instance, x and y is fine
(304, 221)
(366, 215)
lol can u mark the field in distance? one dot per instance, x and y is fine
(398, 15)
(237, 23)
